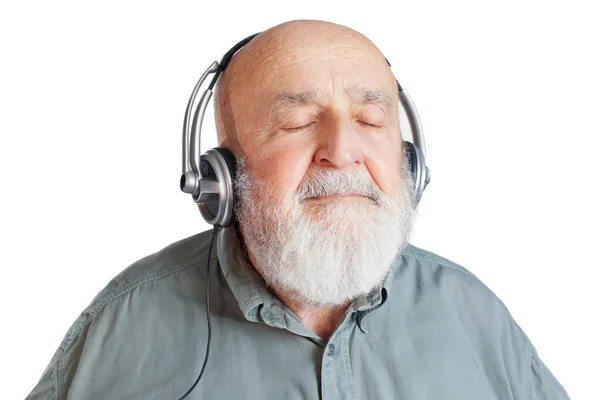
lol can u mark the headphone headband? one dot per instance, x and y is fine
(210, 188)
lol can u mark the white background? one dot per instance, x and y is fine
(92, 97)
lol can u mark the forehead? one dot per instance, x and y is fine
(321, 68)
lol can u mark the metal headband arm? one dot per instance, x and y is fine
(418, 138)
(190, 174)
(191, 155)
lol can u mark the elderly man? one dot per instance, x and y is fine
(315, 292)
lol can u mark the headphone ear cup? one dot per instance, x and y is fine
(218, 165)
(418, 170)
(209, 208)
(229, 160)
(409, 153)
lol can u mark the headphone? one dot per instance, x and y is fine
(209, 177)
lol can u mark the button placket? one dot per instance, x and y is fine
(336, 377)
(326, 378)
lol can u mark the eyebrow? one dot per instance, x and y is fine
(357, 93)
(364, 95)
(287, 99)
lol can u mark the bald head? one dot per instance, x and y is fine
(290, 62)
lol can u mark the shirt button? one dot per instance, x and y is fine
(330, 350)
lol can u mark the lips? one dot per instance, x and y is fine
(338, 195)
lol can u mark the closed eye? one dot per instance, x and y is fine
(298, 128)
(368, 124)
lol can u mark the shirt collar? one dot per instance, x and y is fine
(247, 286)
(256, 301)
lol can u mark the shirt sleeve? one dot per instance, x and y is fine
(543, 385)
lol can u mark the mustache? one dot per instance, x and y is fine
(325, 182)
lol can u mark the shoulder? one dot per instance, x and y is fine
(484, 319)
(116, 324)
(435, 291)
(180, 256)
(415, 254)
(454, 290)
(437, 272)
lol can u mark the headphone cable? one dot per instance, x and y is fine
(215, 231)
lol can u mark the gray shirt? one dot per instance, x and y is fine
(432, 331)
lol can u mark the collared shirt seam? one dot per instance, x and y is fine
(325, 379)
(529, 366)
(58, 367)
(346, 361)
(112, 296)
(439, 261)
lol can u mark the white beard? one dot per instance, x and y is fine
(324, 252)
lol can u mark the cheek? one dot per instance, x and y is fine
(283, 170)
(384, 167)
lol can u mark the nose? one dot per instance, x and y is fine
(340, 145)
